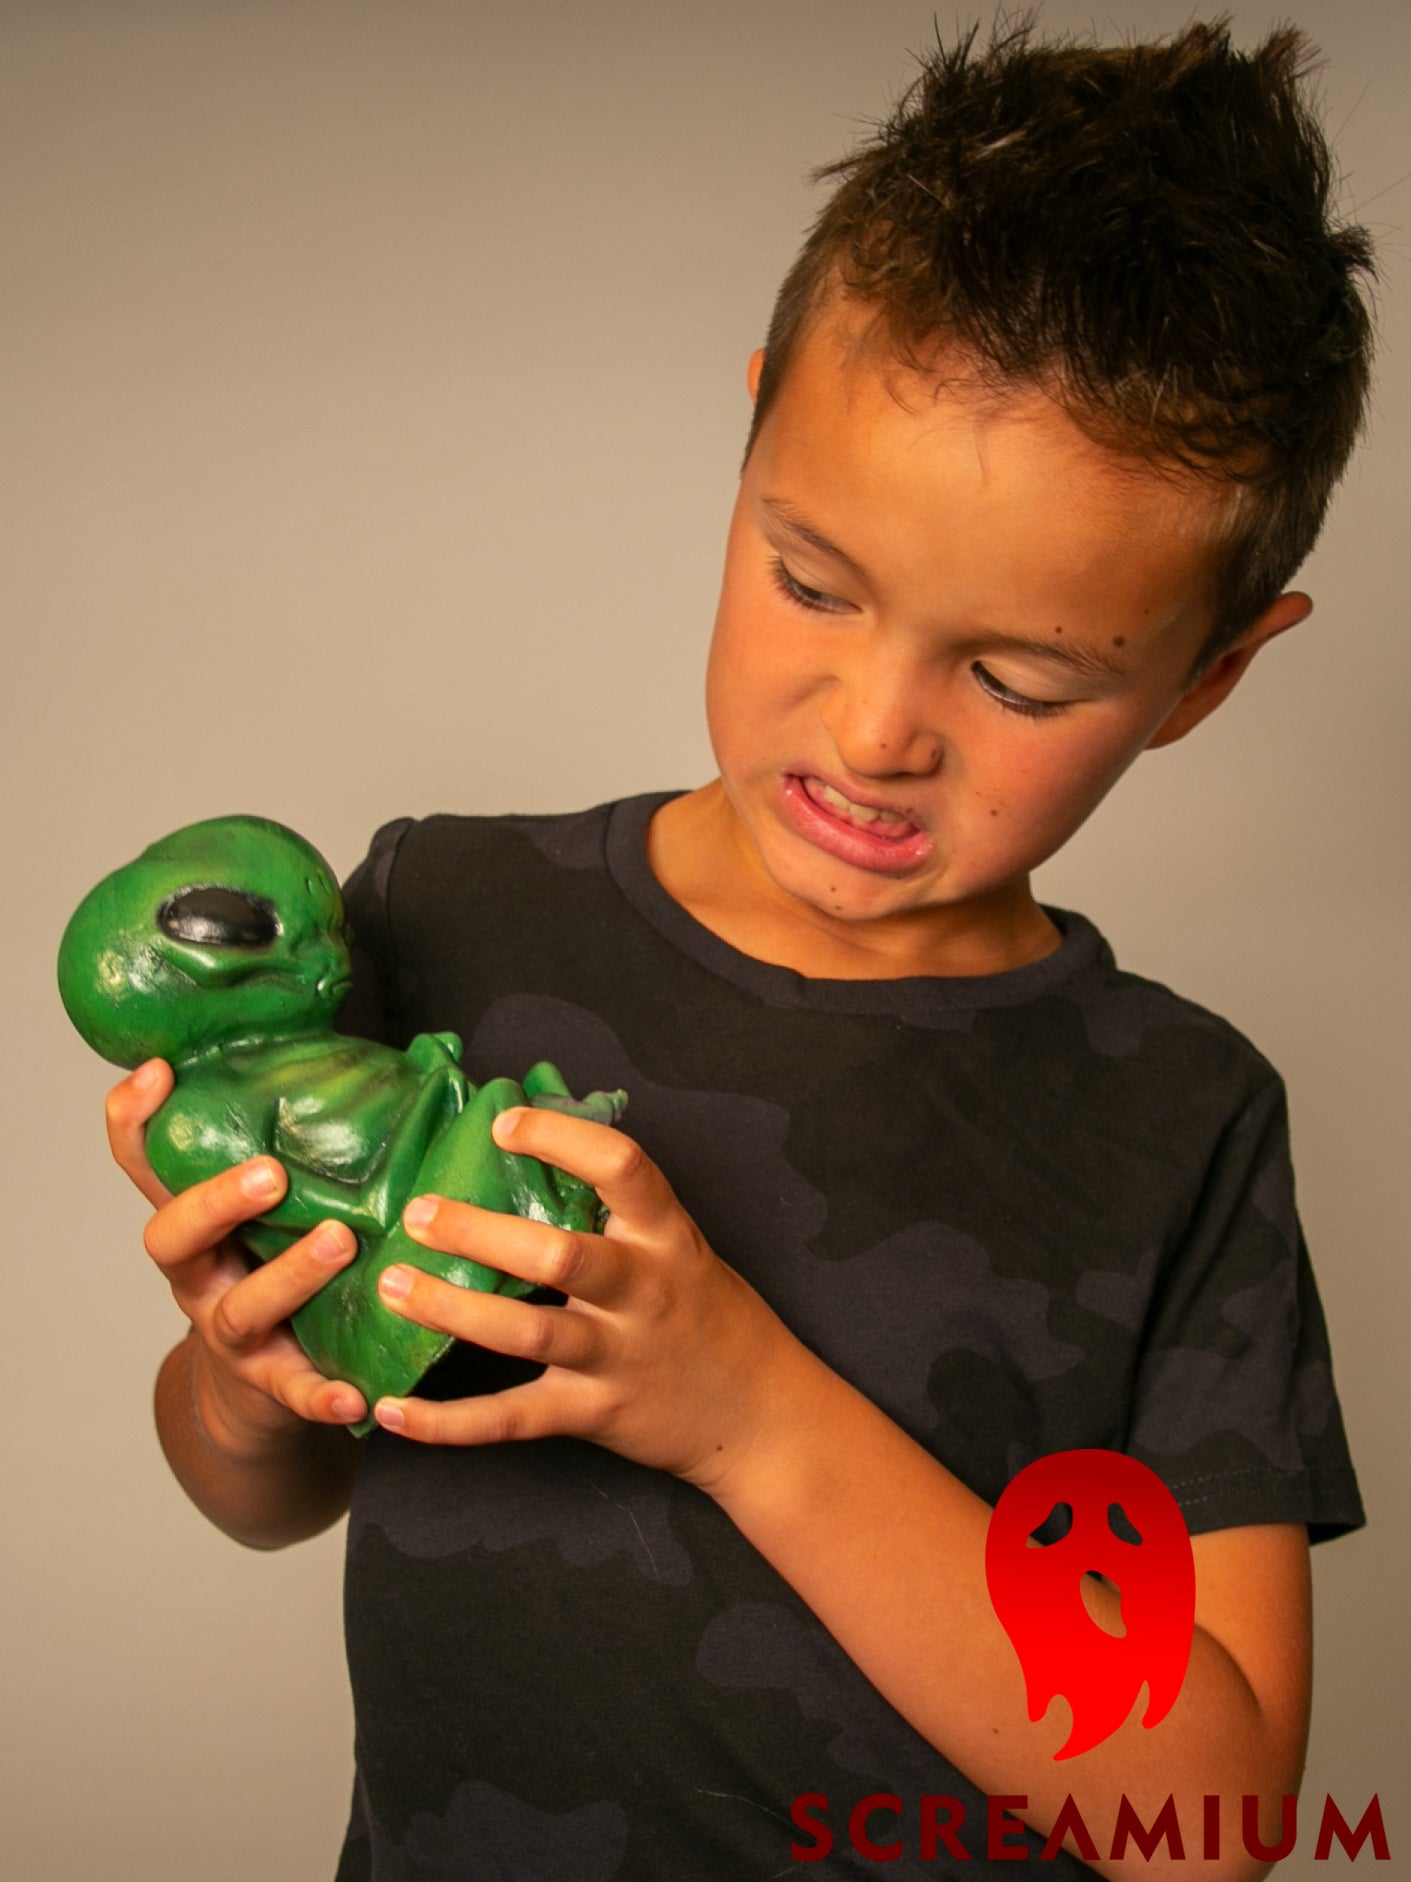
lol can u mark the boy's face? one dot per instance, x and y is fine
(947, 625)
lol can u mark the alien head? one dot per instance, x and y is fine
(226, 931)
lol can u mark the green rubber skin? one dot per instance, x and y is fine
(224, 950)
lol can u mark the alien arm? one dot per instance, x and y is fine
(372, 1204)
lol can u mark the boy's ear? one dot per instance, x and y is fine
(1225, 672)
(753, 370)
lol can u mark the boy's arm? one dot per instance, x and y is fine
(266, 1493)
(663, 1353)
(250, 1429)
(887, 1548)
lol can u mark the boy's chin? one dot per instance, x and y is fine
(821, 885)
(936, 896)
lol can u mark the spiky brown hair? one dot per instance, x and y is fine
(1145, 233)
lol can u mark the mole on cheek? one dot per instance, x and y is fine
(1119, 640)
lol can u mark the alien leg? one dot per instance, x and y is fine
(545, 1089)
(347, 1331)
(466, 1163)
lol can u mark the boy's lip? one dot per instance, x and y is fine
(887, 848)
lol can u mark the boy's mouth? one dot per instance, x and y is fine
(874, 837)
(890, 824)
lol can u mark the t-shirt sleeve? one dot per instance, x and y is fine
(372, 1007)
(1234, 1402)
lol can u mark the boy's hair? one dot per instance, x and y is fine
(1144, 233)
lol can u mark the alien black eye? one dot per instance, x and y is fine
(221, 918)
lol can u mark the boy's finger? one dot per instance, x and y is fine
(206, 1213)
(568, 1260)
(630, 1184)
(520, 1328)
(268, 1295)
(306, 1393)
(130, 1105)
(535, 1410)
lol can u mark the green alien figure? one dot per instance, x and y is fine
(223, 949)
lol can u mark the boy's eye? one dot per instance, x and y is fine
(803, 597)
(1016, 702)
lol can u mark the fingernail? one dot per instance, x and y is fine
(147, 1075)
(334, 1243)
(419, 1212)
(506, 1124)
(396, 1283)
(347, 1406)
(389, 1414)
(262, 1180)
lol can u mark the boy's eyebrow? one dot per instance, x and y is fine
(788, 518)
(1091, 661)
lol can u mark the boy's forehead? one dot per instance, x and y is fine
(848, 378)
(857, 338)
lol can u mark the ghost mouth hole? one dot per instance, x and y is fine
(1099, 1613)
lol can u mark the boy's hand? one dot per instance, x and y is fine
(252, 1379)
(661, 1352)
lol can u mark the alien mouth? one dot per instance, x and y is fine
(890, 825)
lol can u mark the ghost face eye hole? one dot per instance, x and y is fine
(1055, 1526)
(1121, 1525)
(221, 918)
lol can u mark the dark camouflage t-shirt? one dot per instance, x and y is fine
(1026, 1213)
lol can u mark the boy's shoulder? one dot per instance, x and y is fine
(412, 845)
(1121, 1009)
(447, 896)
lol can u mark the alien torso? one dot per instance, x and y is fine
(320, 1103)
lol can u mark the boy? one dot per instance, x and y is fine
(1047, 416)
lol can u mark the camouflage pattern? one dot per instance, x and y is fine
(1039, 1211)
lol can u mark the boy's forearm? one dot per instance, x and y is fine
(280, 1490)
(887, 1548)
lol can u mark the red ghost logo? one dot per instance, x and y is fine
(1037, 1592)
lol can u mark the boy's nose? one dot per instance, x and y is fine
(881, 733)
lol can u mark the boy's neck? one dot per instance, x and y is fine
(704, 858)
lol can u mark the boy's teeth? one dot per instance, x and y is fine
(860, 813)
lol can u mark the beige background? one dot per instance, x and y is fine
(374, 390)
